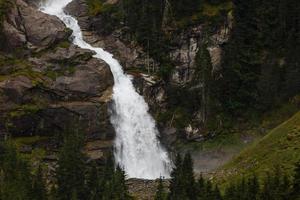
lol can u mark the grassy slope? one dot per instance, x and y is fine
(280, 147)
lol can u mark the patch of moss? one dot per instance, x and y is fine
(64, 44)
(19, 67)
(27, 109)
(19, 141)
(66, 70)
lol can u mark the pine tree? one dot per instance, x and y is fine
(200, 188)
(113, 182)
(285, 188)
(217, 194)
(39, 191)
(70, 173)
(120, 190)
(267, 191)
(188, 177)
(15, 183)
(177, 189)
(93, 186)
(209, 192)
(160, 191)
(296, 183)
(252, 189)
(231, 192)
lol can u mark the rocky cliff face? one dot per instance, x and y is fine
(60, 84)
(185, 46)
(128, 52)
(49, 86)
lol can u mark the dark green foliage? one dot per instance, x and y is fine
(296, 183)
(177, 190)
(93, 183)
(113, 182)
(275, 186)
(15, 176)
(185, 8)
(4, 8)
(188, 176)
(38, 186)
(261, 66)
(16, 180)
(120, 190)
(183, 184)
(71, 168)
(144, 20)
(76, 179)
(204, 77)
(160, 191)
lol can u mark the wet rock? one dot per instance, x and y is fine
(144, 189)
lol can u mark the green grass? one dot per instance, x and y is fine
(19, 141)
(280, 147)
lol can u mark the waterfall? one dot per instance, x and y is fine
(137, 148)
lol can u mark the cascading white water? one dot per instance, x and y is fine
(137, 148)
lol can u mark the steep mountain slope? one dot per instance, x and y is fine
(280, 147)
(49, 86)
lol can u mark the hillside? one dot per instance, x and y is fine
(280, 147)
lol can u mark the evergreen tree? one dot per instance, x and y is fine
(188, 177)
(113, 182)
(177, 189)
(217, 194)
(15, 182)
(230, 192)
(70, 173)
(200, 188)
(120, 190)
(253, 189)
(93, 186)
(160, 191)
(39, 191)
(296, 183)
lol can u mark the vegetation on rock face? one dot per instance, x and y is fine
(279, 147)
(261, 65)
(4, 6)
(16, 179)
(75, 178)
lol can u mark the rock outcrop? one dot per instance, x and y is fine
(184, 46)
(54, 87)
(129, 53)
(26, 27)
